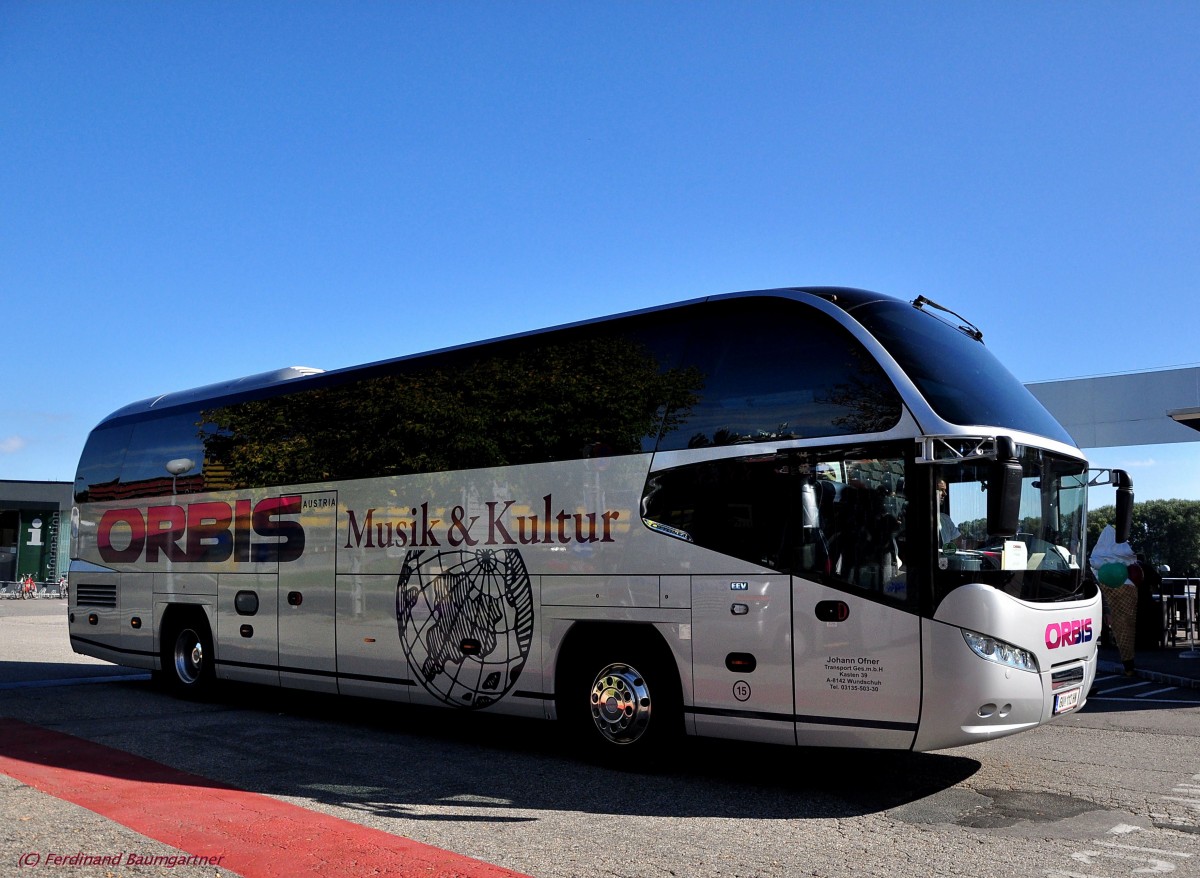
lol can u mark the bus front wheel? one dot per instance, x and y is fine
(626, 705)
(620, 704)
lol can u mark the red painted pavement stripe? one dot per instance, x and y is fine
(256, 836)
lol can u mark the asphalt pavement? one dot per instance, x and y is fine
(42, 829)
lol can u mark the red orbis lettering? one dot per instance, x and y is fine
(1068, 633)
(207, 532)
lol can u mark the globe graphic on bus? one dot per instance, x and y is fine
(466, 622)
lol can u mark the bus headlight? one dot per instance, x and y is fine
(993, 650)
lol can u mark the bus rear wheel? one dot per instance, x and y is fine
(188, 657)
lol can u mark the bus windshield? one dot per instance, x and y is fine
(957, 375)
(1044, 560)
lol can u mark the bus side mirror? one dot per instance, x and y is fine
(1004, 490)
(1124, 518)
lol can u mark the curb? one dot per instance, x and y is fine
(1153, 676)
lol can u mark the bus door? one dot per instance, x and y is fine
(858, 669)
(307, 645)
(741, 657)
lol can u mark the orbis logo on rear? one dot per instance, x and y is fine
(210, 532)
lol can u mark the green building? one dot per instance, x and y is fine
(35, 525)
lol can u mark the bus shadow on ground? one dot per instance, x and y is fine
(26, 674)
(1099, 702)
(418, 763)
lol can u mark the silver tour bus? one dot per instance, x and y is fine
(813, 516)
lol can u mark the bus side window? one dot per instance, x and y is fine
(777, 370)
(738, 507)
(165, 457)
(99, 475)
(781, 512)
(867, 544)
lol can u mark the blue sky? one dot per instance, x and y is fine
(197, 191)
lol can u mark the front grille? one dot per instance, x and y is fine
(1068, 677)
(89, 595)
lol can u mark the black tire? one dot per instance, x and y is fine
(622, 703)
(187, 657)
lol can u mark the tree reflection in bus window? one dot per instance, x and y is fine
(839, 519)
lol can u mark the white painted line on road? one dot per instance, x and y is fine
(1137, 699)
(1157, 692)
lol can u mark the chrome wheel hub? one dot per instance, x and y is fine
(620, 704)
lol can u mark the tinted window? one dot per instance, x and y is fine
(149, 458)
(99, 473)
(839, 517)
(754, 369)
(166, 452)
(587, 392)
(775, 369)
(572, 395)
(957, 375)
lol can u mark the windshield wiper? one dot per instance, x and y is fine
(966, 326)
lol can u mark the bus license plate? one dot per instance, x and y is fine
(1065, 701)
